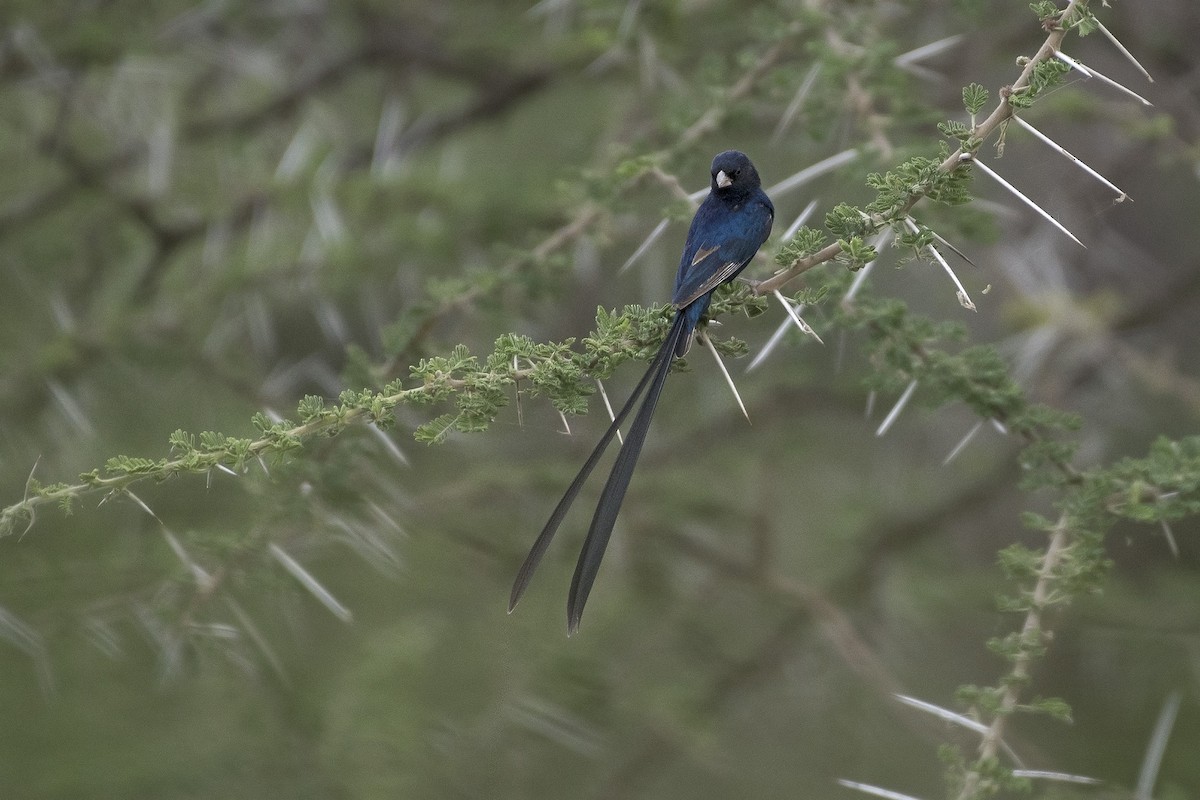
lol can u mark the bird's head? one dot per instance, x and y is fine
(732, 173)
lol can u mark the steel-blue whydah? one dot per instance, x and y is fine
(729, 227)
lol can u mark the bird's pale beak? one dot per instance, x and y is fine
(723, 180)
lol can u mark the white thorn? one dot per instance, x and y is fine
(1170, 537)
(25, 498)
(1148, 775)
(771, 344)
(804, 327)
(800, 220)
(394, 449)
(256, 636)
(797, 100)
(924, 51)
(808, 173)
(143, 506)
(952, 249)
(880, 242)
(964, 299)
(867, 788)
(698, 195)
(943, 713)
(387, 131)
(607, 405)
(962, 443)
(1070, 62)
(957, 719)
(314, 587)
(71, 408)
(1121, 196)
(566, 425)
(1055, 776)
(1092, 73)
(1045, 215)
(201, 576)
(645, 245)
(517, 392)
(728, 379)
(896, 409)
(297, 153)
(1124, 52)
(859, 280)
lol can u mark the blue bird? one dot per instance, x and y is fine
(729, 227)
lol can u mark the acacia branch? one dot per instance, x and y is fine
(1032, 639)
(958, 160)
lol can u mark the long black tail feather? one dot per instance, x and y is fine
(618, 481)
(655, 375)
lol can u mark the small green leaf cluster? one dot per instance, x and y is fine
(62, 493)
(377, 407)
(1047, 74)
(133, 465)
(898, 341)
(959, 131)
(804, 243)
(1083, 21)
(1046, 10)
(277, 437)
(918, 242)
(988, 776)
(847, 222)
(1164, 486)
(1016, 646)
(975, 97)
(914, 178)
(855, 253)
(211, 450)
(737, 298)
(814, 295)
(478, 390)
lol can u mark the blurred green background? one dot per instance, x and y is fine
(209, 210)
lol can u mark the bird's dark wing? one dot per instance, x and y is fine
(702, 284)
(719, 246)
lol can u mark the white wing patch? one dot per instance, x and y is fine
(714, 280)
(703, 253)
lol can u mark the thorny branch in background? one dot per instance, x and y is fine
(480, 385)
